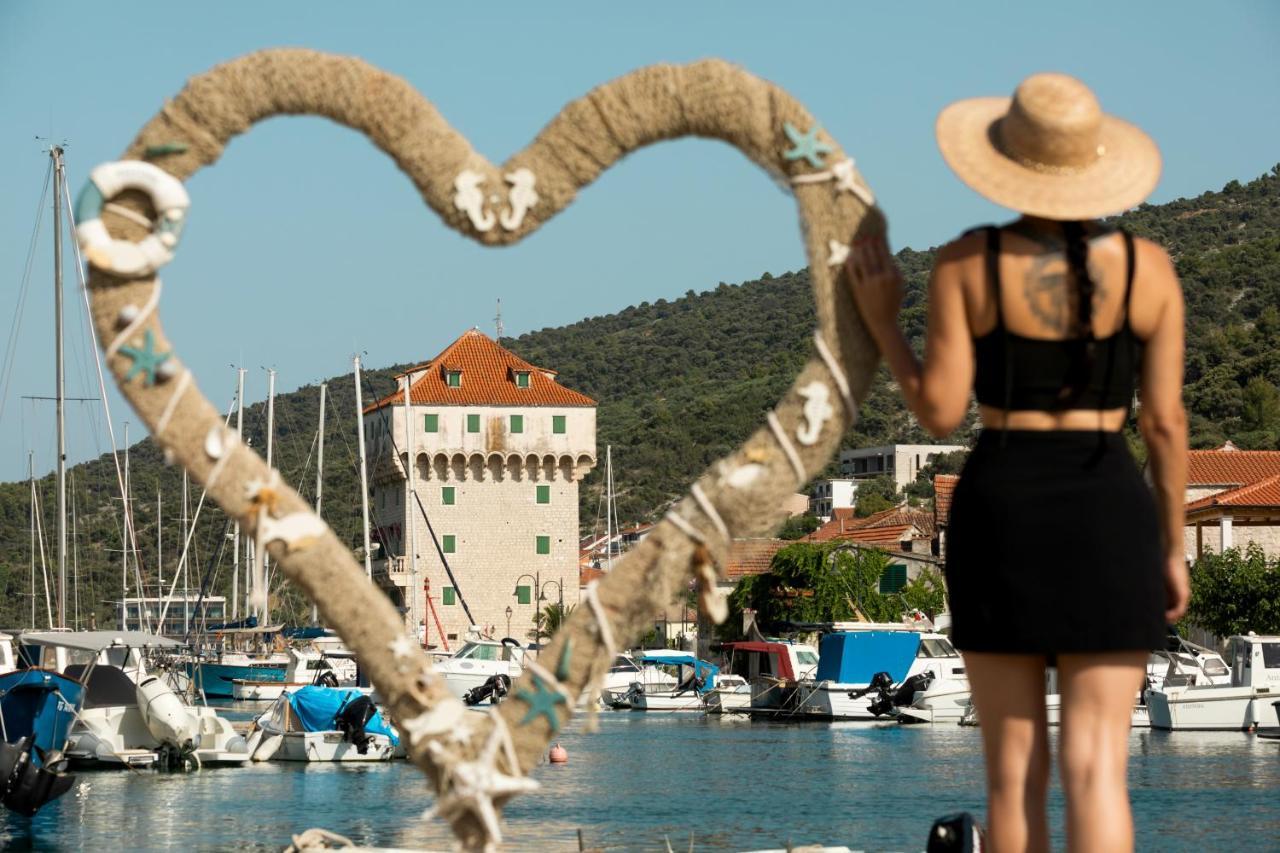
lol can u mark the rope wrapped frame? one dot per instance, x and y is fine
(710, 98)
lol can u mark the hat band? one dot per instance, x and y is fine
(997, 139)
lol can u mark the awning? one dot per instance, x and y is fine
(92, 641)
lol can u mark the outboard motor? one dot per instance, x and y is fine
(907, 690)
(882, 703)
(955, 833)
(351, 720)
(327, 679)
(24, 785)
(494, 687)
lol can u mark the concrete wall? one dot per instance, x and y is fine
(903, 461)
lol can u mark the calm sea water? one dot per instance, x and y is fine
(730, 784)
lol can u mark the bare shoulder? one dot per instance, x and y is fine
(1155, 286)
(967, 247)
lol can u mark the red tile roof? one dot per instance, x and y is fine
(488, 379)
(587, 575)
(889, 526)
(944, 486)
(1228, 466)
(751, 557)
(1263, 493)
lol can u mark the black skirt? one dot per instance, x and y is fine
(1053, 546)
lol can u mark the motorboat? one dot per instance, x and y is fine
(870, 671)
(37, 710)
(482, 661)
(216, 676)
(336, 668)
(732, 694)
(131, 715)
(629, 670)
(315, 723)
(771, 670)
(1185, 702)
(693, 678)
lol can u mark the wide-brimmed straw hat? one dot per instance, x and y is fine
(1049, 151)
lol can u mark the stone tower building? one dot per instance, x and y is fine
(499, 448)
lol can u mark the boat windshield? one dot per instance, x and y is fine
(806, 658)
(622, 663)
(936, 648)
(480, 651)
(1271, 655)
(1216, 666)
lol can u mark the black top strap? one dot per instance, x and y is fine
(1130, 263)
(993, 270)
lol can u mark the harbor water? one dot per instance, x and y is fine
(644, 778)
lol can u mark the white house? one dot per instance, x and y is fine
(829, 495)
(903, 461)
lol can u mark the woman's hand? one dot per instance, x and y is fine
(877, 283)
(1177, 588)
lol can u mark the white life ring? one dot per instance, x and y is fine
(124, 257)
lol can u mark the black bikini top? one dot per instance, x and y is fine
(1018, 373)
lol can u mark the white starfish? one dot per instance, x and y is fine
(839, 253)
(847, 181)
(472, 785)
(443, 718)
(401, 649)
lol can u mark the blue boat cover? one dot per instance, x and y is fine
(317, 707)
(41, 703)
(701, 668)
(853, 657)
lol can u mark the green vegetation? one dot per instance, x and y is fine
(1235, 592)
(683, 382)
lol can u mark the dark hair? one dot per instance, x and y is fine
(1083, 352)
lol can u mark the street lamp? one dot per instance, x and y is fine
(537, 586)
(509, 611)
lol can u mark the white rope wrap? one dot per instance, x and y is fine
(602, 620)
(551, 681)
(231, 443)
(846, 178)
(709, 509)
(180, 388)
(136, 322)
(780, 434)
(837, 374)
(685, 527)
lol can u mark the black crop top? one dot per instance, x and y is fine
(1018, 373)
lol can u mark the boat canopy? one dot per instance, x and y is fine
(855, 656)
(702, 670)
(782, 662)
(95, 641)
(317, 708)
(306, 632)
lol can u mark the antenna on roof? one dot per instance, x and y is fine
(497, 319)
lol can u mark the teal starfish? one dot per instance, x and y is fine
(542, 703)
(807, 145)
(562, 668)
(145, 359)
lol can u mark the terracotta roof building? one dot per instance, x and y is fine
(1233, 499)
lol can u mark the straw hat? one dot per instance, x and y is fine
(1049, 151)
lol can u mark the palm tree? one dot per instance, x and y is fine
(550, 618)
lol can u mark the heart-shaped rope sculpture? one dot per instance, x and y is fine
(131, 215)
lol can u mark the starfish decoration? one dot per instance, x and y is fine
(444, 718)
(401, 649)
(839, 253)
(847, 181)
(145, 359)
(562, 668)
(542, 703)
(807, 145)
(472, 786)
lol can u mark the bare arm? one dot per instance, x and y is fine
(936, 392)
(1163, 422)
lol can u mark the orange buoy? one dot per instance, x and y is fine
(559, 755)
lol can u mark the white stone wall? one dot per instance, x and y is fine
(1242, 534)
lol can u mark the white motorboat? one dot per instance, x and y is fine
(870, 671)
(627, 672)
(479, 662)
(694, 680)
(332, 668)
(1187, 703)
(771, 669)
(732, 694)
(132, 716)
(324, 724)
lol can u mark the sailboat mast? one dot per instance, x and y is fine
(59, 176)
(260, 561)
(324, 388)
(159, 546)
(125, 543)
(235, 537)
(186, 538)
(609, 520)
(364, 471)
(31, 479)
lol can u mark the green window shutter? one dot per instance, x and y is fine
(893, 578)
(517, 424)
(544, 494)
(557, 424)
(473, 423)
(523, 595)
(449, 595)
(544, 545)
(448, 543)
(430, 423)
(453, 378)
(522, 379)
(447, 495)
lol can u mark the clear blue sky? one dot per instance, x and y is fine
(305, 244)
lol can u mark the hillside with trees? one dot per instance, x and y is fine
(681, 383)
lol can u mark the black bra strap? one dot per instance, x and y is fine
(993, 270)
(1130, 263)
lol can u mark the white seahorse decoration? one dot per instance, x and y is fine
(521, 198)
(468, 198)
(817, 411)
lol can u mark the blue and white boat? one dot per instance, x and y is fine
(37, 710)
(325, 724)
(691, 680)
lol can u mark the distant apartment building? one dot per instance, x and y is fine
(499, 448)
(826, 496)
(902, 461)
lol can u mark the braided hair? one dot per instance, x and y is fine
(1084, 344)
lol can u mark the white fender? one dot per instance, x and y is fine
(123, 257)
(166, 717)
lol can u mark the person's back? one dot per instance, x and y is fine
(1058, 552)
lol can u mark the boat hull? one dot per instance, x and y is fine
(217, 680)
(328, 747)
(1208, 708)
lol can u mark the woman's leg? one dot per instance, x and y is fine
(1008, 691)
(1098, 692)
